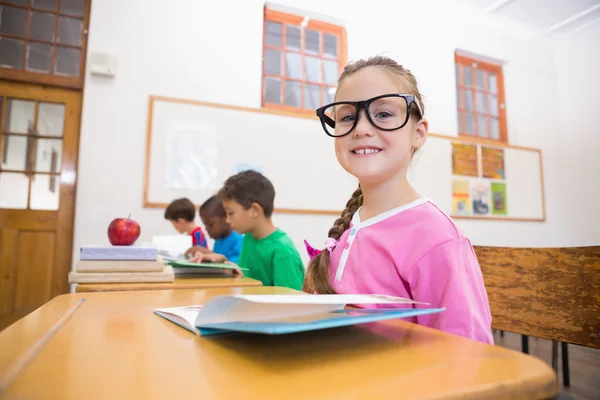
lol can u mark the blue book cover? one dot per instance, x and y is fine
(118, 253)
(284, 314)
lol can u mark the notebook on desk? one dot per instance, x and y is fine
(282, 314)
(183, 267)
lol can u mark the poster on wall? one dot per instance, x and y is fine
(499, 198)
(480, 197)
(461, 204)
(191, 156)
(464, 159)
(492, 162)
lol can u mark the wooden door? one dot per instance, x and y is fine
(39, 136)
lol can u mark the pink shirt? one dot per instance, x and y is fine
(416, 251)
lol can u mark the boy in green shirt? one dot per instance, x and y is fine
(267, 252)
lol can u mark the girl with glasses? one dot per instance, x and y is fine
(389, 239)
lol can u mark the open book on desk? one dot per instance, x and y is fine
(204, 268)
(280, 314)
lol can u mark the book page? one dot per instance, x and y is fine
(232, 308)
(327, 299)
(184, 316)
(254, 307)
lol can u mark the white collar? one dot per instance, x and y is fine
(356, 223)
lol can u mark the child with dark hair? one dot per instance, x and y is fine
(181, 213)
(227, 241)
(267, 252)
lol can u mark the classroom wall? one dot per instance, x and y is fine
(199, 50)
(577, 61)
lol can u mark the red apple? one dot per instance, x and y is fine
(123, 232)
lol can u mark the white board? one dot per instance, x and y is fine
(293, 152)
(299, 159)
(431, 175)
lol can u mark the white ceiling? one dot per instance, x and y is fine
(554, 18)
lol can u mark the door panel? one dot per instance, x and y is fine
(39, 141)
(34, 270)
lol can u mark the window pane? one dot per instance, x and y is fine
(69, 31)
(329, 93)
(457, 71)
(468, 100)
(15, 153)
(274, 34)
(74, 7)
(293, 65)
(45, 4)
(11, 53)
(331, 71)
(468, 76)
(12, 20)
(39, 57)
(493, 104)
(17, 196)
(51, 118)
(494, 128)
(312, 66)
(492, 83)
(272, 61)
(482, 126)
(470, 124)
(461, 127)
(19, 2)
(293, 94)
(67, 61)
(330, 45)
(479, 79)
(458, 102)
(272, 90)
(292, 37)
(41, 26)
(48, 156)
(19, 116)
(312, 97)
(313, 40)
(44, 192)
(480, 96)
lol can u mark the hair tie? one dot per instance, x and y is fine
(330, 244)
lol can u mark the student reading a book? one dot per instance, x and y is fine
(227, 241)
(181, 213)
(267, 252)
(389, 239)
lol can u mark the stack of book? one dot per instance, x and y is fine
(120, 264)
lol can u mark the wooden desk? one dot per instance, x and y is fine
(113, 346)
(206, 282)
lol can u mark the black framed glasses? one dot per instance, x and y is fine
(387, 112)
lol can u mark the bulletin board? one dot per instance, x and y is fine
(481, 179)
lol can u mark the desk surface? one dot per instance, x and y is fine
(186, 282)
(113, 346)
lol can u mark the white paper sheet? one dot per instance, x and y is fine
(191, 156)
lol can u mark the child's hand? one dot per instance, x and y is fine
(237, 271)
(208, 257)
(195, 249)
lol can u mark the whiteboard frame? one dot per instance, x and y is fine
(153, 98)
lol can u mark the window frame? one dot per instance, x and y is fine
(50, 78)
(339, 31)
(488, 67)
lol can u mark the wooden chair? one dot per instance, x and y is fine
(549, 293)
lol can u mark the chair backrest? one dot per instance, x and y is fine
(550, 293)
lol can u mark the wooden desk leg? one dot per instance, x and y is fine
(525, 344)
(565, 364)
